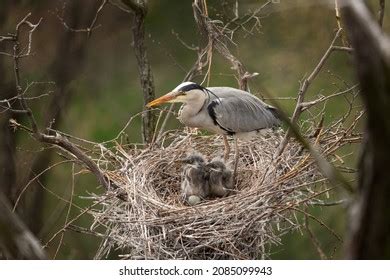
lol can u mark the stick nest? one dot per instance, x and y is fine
(154, 222)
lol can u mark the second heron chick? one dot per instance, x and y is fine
(220, 178)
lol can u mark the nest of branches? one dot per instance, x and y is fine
(154, 221)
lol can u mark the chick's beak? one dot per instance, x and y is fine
(161, 100)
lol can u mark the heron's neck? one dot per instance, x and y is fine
(188, 111)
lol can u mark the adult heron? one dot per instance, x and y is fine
(222, 110)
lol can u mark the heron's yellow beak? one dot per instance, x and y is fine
(169, 97)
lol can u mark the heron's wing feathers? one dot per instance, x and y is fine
(241, 112)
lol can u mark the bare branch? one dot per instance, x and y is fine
(15, 238)
(139, 10)
(314, 240)
(119, 6)
(7, 38)
(217, 39)
(56, 140)
(104, 2)
(338, 22)
(67, 212)
(319, 222)
(381, 13)
(66, 225)
(308, 104)
(303, 89)
(16, 57)
(91, 27)
(330, 203)
(325, 167)
(346, 49)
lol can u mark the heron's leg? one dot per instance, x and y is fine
(227, 148)
(236, 156)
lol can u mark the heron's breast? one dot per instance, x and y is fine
(200, 119)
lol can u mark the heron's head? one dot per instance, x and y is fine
(183, 93)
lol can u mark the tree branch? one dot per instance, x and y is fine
(381, 12)
(217, 39)
(302, 92)
(16, 241)
(139, 10)
(56, 140)
(92, 26)
(369, 234)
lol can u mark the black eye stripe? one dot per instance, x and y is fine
(191, 87)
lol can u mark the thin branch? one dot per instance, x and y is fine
(35, 178)
(16, 57)
(302, 92)
(329, 203)
(338, 22)
(319, 222)
(381, 13)
(7, 38)
(346, 49)
(218, 39)
(337, 11)
(104, 2)
(86, 210)
(314, 240)
(91, 27)
(120, 7)
(56, 140)
(136, 6)
(325, 167)
(308, 104)
(67, 213)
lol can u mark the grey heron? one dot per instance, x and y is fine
(222, 110)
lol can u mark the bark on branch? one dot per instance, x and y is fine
(16, 241)
(139, 10)
(369, 235)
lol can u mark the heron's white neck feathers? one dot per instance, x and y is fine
(196, 100)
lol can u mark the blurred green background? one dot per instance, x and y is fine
(100, 76)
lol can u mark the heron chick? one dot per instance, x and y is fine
(222, 110)
(220, 178)
(194, 183)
